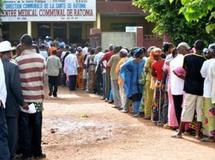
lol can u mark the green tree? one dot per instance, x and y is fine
(195, 10)
(1, 3)
(167, 18)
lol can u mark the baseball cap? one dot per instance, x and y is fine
(124, 51)
(183, 44)
(211, 47)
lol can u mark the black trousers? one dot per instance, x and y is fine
(99, 83)
(53, 84)
(4, 148)
(12, 125)
(72, 82)
(63, 78)
(178, 100)
(30, 134)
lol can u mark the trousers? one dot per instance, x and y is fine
(4, 147)
(12, 125)
(115, 92)
(30, 134)
(53, 85)
(72, 82)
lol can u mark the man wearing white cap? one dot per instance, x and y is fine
(14, 94)
(177, 83)
(193, 88)
(4, 148)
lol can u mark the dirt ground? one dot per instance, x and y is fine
(80, 126)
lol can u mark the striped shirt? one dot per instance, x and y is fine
(32, 69)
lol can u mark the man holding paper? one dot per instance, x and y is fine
(32, 70)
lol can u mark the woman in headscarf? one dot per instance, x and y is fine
(167, 50)
(91, 66)
(208, 116)
(124, 56)
(148, 91)
(80, 57)
(157, 73)
(131, 74)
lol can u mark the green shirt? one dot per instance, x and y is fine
(53, 65)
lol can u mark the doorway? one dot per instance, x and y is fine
(44, 29)
(59, 30)
(75, 32)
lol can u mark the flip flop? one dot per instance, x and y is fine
(207, 139)
(177, 136)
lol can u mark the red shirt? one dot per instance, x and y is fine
(107, 56)
(157, 67)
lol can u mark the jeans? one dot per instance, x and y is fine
(53, 85)
(72, 82)
(30, 134)
(4, 148)
(103, 85)
(110, 96)
(136, 107)
(165, 108)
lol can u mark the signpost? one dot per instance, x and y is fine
(131, 28)
(48, 10)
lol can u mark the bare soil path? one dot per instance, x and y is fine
(80, 126)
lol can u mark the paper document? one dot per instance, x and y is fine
(31, 109)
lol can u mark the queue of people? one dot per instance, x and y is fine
(174, 87)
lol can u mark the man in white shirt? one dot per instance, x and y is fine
(71, 70)
(177, 83)
(4, 148)
(208, 116)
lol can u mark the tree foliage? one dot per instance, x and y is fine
(167, 18)
(195, 10)
(1, 3)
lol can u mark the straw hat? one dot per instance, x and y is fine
(6, 46)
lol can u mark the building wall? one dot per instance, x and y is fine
(118, 38)
(107, 23)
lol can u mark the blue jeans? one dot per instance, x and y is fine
(110, 96)
(136, 107)
(103, 85)
(4, 148)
